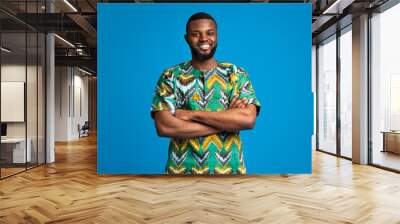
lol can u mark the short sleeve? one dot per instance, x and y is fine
(164, 97)
(244, 88)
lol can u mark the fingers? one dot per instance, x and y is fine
(238, 103)
(242, 103)
(233, 102)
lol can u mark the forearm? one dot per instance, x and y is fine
(188, 129)
(227, 120)
(170, 126)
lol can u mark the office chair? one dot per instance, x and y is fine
(84, 130)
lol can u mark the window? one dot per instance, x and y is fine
(346, 92)
(385, 88)
(327, 95)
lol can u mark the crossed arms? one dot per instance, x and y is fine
(190, 124)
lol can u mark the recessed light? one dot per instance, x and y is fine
(70, 5)
(5, 50)
(64, 40)
(84, 71)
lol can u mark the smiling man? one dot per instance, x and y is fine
(202, 104)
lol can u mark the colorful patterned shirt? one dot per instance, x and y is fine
(184, 87)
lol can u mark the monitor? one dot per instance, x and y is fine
(3, 129)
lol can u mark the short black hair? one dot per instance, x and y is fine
(200, 15)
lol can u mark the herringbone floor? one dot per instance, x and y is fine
(70, 191)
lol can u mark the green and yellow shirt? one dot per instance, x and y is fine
(184, 87)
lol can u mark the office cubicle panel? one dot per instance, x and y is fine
(272, 42)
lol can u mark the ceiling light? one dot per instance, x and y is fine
(329, 9)
(70, 5)
(5, 50)
(337, 7)
(84, 71)
(64, 40)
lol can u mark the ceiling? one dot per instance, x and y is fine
(75, 21)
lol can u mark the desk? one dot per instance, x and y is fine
(391, 141)
(13, 150)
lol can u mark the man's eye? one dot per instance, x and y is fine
(195, 34)
(210, 33)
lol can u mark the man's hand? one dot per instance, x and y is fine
(168, 125)
(188, 115)
(185, 115)
(238, 103)
(239, 116)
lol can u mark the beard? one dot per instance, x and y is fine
(201, 56)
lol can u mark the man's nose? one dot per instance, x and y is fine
(203, 37)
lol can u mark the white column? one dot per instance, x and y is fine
(314, 92)
(50, 99)
(360, 90)
(50, 92)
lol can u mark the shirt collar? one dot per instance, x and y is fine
(187, 66)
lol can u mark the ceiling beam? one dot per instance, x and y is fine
(84, 24)
(83, 61)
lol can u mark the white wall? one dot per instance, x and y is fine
(71, 102)
(62, 81)
(16, 72)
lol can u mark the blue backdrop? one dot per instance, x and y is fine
(136, 42)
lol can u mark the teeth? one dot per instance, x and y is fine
(204, 46)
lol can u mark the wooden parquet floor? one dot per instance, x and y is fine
(70, 191)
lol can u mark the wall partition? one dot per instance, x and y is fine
(22, 88)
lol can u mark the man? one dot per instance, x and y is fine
(202, 104)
